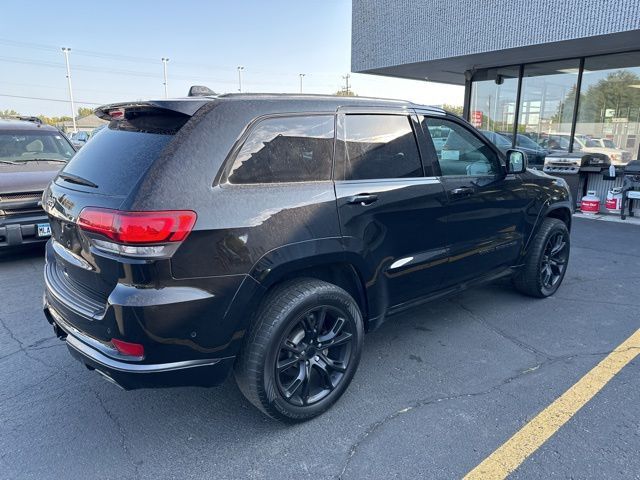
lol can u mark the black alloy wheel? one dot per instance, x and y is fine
(554, 260)
(301, 351)
(314, 355)
(546, 260)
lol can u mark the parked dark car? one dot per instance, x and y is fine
(78, 139)
(503, 143)
(503, 140)
(535, 152)
(30, 156)
(265, 234)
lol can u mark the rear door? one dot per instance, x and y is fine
(485, 207)
(391, 212)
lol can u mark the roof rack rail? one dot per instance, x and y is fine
(24, 118)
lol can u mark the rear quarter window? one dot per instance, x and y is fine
(115, 160)
(286, 149)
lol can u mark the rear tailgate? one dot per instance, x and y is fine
(103, 174)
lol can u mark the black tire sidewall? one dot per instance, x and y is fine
(554, 227)
(329, 295)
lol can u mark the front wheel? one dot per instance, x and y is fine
(301, 351)
(546, 262)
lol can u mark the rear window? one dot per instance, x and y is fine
(115, 160)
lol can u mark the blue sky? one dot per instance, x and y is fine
(116, 47)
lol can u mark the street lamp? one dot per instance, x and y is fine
(65, 51)
(240, 69)
(164, 68)
(302, 75)
(346, 79)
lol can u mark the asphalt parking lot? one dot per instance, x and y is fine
(439, 388)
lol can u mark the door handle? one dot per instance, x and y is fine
(364, 198)
(461, 191)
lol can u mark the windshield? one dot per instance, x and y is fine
(497, 139)
(25, 146)
(524, 141)
(560, 142)
(501, 141)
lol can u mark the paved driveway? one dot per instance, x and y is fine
(439, 388)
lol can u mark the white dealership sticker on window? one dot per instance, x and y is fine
(450, 154)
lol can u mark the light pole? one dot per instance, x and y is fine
(302, 75)
(240, 69)
(164, 68)
(65, 51)
(346, 79)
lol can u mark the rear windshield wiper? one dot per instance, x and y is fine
(9, 162)
(71, 178)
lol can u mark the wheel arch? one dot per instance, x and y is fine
(561, 212)
(343, 274)
(321, 259)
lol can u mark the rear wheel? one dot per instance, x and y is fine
(301, 351)
(546, 261)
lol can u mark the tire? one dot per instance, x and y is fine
(282, 359)
(546, 262)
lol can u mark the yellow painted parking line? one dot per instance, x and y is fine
(532, 436)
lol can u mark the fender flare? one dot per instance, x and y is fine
(543, 213)
(288, 259)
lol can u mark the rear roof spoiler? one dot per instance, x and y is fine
(185, 106)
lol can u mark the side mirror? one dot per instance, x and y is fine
(516, 161)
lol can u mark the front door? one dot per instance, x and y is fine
(485, 222)
(392, 214)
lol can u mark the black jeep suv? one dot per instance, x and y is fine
(265, 234)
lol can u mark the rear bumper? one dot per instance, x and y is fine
(129, 375)
(16, 231)
(191, 329)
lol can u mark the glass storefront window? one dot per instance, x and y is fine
(609, 108)
(546, 106)
(493, 104)
(608, 117)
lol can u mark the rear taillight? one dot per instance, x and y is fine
(116, 113)
(136, 233)
(138, 227)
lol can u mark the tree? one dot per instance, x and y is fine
(8, 113)
(345, 93)
(610, 93)
(455, 109)
(55, 121)
(84, 111)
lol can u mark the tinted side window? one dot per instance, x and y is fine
(380, 146)
(286, 149)
(459, 151)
